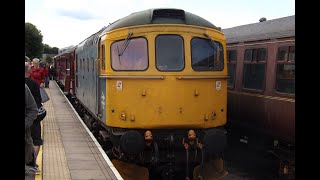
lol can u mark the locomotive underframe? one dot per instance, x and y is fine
(166, 154)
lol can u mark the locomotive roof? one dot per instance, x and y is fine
(92, 39)
(160, 16)
(276, 28)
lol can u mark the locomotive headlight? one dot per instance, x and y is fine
(123, 116)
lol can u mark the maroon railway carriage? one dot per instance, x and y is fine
(64, 64)
(261, 87)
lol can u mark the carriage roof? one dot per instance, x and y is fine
(276, 28)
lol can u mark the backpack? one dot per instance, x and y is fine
(42, 113)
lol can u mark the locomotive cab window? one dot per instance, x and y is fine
(285, 78)
(232, 62)
(206, 55)
(254, 68)
(169, 53)
(130, 55)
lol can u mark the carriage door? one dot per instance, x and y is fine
(67, 79)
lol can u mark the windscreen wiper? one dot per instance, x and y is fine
(125, 44)
(214, 43)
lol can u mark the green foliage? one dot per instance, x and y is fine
(55, 50)
(49, 50)
(49, 59)
(46, 49)
(33, 41)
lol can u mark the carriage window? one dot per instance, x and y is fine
(248, 55)
(103, 57)
(255, 55)
(254, 68)
(169, 53)
(282, 53)
(262, 54)
(285, 78)
(232, 55)
(232, 58)
(291, 53)
(254, 76)
(206, 55)
(134, 55)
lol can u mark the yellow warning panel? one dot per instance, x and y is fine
(38, 175)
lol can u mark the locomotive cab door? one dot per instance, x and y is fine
(100, 82)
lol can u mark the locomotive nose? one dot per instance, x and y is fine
(215, 141)
(132, 143)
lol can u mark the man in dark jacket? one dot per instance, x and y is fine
(52, 72)
(31, 112)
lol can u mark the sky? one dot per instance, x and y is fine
(68, 22)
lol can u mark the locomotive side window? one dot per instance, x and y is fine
(88, 64)
(130, 55)
(206, 55)
(92, 59)
(103, 57)
(232, 62)
(254, 68)
(285, 78)
(83, 65)
(169, 53)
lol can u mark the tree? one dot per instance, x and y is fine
(46, 49)
(50, 50)
(55, 50)
(49, 59)
(33, 41)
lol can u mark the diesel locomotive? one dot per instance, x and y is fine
(152, 87)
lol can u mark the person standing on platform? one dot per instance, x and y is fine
(52, 72)
(46, 76)
(37, 72)
(36, 126)
(30, 114)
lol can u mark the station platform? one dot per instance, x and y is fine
(69, 150)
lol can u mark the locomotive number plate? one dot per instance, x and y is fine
(119, 85)
(218, 85)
